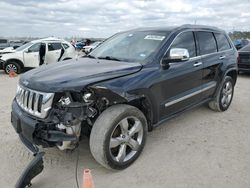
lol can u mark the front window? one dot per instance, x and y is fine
(130, 46)
(23, 47)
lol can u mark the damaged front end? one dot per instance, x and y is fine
(72, 115)
(56, 119)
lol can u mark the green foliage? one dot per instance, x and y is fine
(239, 35)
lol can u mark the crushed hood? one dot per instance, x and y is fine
(75, 74)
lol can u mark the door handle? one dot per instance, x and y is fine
(197, 64)
(222, 57)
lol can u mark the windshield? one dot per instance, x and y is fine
(24, 46)
(95, 43)
(130, 46)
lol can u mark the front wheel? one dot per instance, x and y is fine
(118, 136)
(224, 97)
(12, 67)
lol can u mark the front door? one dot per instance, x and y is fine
(31, 56)
(180, 85)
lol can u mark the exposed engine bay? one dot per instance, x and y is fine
(71, 116)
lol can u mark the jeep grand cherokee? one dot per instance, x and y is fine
(129, 84)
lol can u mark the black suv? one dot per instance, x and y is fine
(129, 84)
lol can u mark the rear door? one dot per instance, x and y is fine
(53, 52)
(31, 56)
(211, 61)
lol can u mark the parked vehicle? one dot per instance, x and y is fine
(88, 49)
(4, 43)
(240, 43)
(79, 45)
(28, 55)
(131, 83)
(244, 59)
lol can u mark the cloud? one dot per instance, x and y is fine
(102, 18)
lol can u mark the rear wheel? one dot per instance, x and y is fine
(224, 97)
(12, 67)
(118, 136)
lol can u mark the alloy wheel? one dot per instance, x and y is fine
(126, 139)
(11, 68)
(227, 93)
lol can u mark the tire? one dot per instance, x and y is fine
(12, 66)
(120, 151)
(223, 98)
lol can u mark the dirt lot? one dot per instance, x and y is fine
(200, 148)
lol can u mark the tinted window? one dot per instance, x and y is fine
(54, 46)
(65, 45)
(207, 43)
(185, 40)
(222, 42)
(245, 49)
(35, 47)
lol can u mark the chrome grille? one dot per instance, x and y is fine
(34, 102)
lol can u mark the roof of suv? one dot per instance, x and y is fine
(172, 28)
(50, 39)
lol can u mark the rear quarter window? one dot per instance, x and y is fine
(222, 42)
(65, 45)
(207, 42)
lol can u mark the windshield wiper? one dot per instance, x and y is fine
(90, 56)
(109, 58)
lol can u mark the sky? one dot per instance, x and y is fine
(102, 18)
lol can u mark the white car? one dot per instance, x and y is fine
(28, 55)
(89, 48)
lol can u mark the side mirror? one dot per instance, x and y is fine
(176, 55)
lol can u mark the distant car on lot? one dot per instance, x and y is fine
(89, 48)
(4, 43)
(244, 59)
(79, 45)
(131, 83)
(239, 43)
(28, 54)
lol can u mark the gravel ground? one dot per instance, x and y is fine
(200, 148)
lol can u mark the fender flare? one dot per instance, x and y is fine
(223, 77)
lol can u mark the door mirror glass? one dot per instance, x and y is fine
(178, 54)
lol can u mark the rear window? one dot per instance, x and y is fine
(222, 42)
(245, 49)
(54, 46)
(207, 42)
